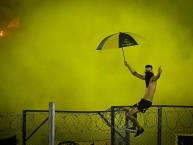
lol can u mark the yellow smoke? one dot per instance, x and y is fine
(53, 56)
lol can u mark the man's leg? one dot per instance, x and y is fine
(133, 128)
(135, 115)
(132, 116)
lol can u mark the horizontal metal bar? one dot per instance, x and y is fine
(107, 111)
(158, 106)
(65, 111)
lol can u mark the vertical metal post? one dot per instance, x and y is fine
(112, 126)
(127, 133)
(51, 123)
(24, 128)
(159, 139)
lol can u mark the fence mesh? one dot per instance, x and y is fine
(175, 121)
(147, 120)
(10, 125)
(86, 128)
(79, 127)
(36, 128)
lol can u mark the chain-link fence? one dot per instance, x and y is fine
(176, 122)
(148, 120)
(164, 125)
(83, 128)
(10, 127)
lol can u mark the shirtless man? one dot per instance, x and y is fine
(146, 101)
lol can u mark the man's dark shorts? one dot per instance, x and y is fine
(143, 105)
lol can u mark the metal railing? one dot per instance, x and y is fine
(161, 123)
(164, 125)
(81, 127)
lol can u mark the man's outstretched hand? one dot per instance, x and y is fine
(160, 69)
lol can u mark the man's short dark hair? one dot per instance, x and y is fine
(149, 66)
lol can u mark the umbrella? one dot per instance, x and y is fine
(117, 40)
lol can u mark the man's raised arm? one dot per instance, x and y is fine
(158, 75)
(133, 71)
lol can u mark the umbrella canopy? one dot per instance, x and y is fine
(117, 40)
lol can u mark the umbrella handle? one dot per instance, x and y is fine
(123, 54)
